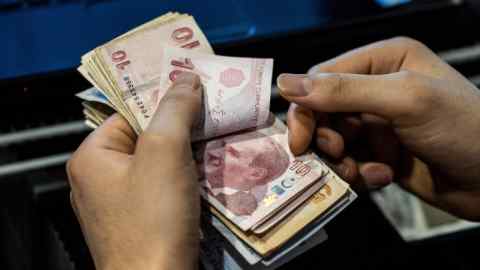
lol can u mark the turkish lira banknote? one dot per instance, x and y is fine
(250, 176)
(262, 199)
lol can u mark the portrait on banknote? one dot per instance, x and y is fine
(238, 169)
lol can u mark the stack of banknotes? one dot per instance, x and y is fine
(262, 205)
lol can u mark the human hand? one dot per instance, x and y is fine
(137, 200)
(383, 110)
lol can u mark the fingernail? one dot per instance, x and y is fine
(322, 142)
(377, 176)
(187, 78)
(343, 170)
(295, 85)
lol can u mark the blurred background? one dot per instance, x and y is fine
(41, 120)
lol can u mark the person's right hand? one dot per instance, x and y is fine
(406, 105)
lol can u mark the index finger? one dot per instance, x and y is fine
(383, 57)
(102, 153)
(114, 134)
(301, 124)
(377, 58)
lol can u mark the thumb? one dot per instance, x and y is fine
(390, 95)
(177, 111)
(164, 150)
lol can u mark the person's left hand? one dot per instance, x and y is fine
(137, 200)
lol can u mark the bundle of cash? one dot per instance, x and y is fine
(263, 205)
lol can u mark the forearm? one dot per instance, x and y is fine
(181, 259)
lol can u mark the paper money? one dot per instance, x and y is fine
(249, 176)
(109, 67)
(288, 254)
(236, 90)
(97, 112)
(94, 95)
(134, 62)
(220, 252)
(333, 191)
(267, 201)
(143, 64)
(292, 205)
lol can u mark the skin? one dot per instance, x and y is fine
(392, 111)
(137, 200)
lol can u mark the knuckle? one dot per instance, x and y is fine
(420, 92)
(73, 168)
(335, 86)
(171, 151)
(68, 168)
(323, 67)
(182, 87)
(181, 93)
(408, 77)
(409, 43)
(174, 95)
(350, 173)
(72, 201)
(168, 100)
(169, 143)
